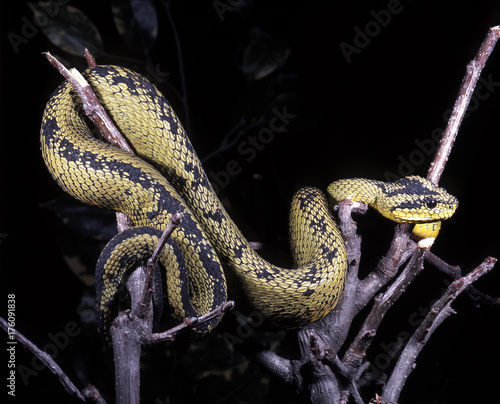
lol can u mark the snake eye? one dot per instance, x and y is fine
(431, 204)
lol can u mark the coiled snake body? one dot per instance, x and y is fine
(165, 176)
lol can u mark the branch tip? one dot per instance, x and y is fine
(89, 58)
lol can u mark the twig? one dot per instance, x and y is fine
(357, 350)
(92, 395)
(131, 331)
(89, 58)
(388, 266)
(474, 69)
(439, 312)
(91, 105)
(454, 272)
(96, 113)
(170, 334)
(349, 227)
(47, 360)
(175, 221)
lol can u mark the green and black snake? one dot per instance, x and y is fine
(165, 176)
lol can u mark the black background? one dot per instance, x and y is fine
(353, 119)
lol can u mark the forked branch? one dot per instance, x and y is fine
(438, 313)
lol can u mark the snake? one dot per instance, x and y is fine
(207, 259)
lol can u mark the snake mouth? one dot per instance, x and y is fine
(442, 212)
(441, 215)
(417, 219)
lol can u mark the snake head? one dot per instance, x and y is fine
(415, 199)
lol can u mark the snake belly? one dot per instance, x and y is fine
(100, 174)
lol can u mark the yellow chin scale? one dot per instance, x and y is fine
(425, 230)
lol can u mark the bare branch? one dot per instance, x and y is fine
(388, 266)
(91, 105)
(89, 58)
(47, 360)
(438, 313)
(474, 69)
(170, 334)
(454, 272)
(96, 113)
(175, 221)
(357, 350)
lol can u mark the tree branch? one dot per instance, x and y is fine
(91, 105)
(175, 221)
(438, 313)
(90, 393)
(357, 350)
(170, 334)
(454, 272)
(474, 69)
(95, 112)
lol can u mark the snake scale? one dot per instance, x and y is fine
(207, 257)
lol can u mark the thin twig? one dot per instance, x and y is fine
(383, 302)
(438, 313)
(46, 359)
(170, 334)
(454, 272)
(399, 251)
(96, 113)
(175, 221)
(433, 319)
(91, 105)
(89, 58)
(474, 69)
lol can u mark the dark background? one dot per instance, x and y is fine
(352, 119)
